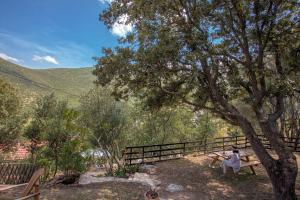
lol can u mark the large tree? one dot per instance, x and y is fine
(213, 55)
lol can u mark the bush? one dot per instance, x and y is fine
(11, 121)
(131, 169)
(70, 160)
(56, 139)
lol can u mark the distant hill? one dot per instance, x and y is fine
(66, 83)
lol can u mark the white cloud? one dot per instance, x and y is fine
(65, 53)
(9, 58)
(121, 27)
(48, 59)
(105, 1)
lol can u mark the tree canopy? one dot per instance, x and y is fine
(212, 55)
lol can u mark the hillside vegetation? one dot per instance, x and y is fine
(66, 83)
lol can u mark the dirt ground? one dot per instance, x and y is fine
(203, 182)
(96, 191)
(199, 181)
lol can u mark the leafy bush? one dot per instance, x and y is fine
(11, 121)
(70, 159)
(131, 169)
(121, 172)
(56, 139)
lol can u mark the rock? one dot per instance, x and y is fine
(145, 179)
(189, 187)
(147, 167)
(91, 177)
(150, 169)
(174, 188)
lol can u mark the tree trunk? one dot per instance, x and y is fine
(283, 176)
(282, 171)
(56, 163)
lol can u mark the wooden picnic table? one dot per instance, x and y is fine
(244, 154)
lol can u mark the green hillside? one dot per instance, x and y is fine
(66, 83)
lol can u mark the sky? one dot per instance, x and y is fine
(55, 33)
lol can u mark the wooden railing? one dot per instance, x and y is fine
(162, 152)
(16, 173)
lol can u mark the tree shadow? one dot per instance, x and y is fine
(203, 182)
(103, 191)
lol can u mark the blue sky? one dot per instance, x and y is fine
(54, 33)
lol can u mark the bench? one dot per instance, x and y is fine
(214, 158)
(211, 155)
(250, 164)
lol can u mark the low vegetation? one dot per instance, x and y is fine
(60, 136)
(11, 119)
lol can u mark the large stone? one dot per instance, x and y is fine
(174, 188)
(145, 179)
(150, 169)
(91, 177)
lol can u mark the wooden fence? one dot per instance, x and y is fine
(16, 173)
(161, 152)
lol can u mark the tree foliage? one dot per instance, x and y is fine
(105, 118)
(171, 124)
(212, 55)
(56, 139)
(11, 119)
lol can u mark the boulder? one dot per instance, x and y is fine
(150, 169)
(174, 188)
(145, 179)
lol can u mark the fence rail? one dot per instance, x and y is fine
(161, 152)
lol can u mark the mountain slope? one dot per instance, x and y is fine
(66, 83)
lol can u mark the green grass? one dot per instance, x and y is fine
(66, 83)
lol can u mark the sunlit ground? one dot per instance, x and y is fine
(193, 173)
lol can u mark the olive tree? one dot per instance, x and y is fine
(105, 118)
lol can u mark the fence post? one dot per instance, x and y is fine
(37, 191)
(296, 142)
(183, 149)
(143, 152)
(223, 139)
(236, 141)
(159, 152)
(205, 143)
(130, 156)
